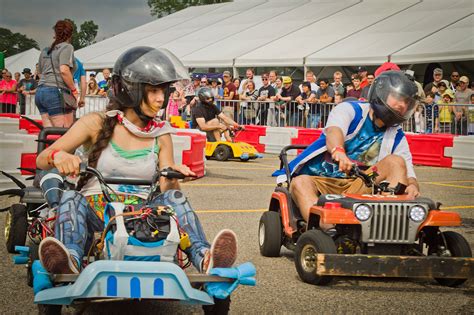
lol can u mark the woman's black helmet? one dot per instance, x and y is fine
(397, 86)
(205, 96)
(142, 65)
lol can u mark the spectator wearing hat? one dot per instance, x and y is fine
(289, 93)
(216, 88)
(437, 77)
(26, 86)
(230, 91)
(446, 111)
(8, 93)
(442, 87)
(92, 76)
(362, 72)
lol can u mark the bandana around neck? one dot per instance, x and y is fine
(152, 130)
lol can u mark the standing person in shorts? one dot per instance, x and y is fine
(367, 134)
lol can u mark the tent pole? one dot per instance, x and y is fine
(305, 67)
(235, 72)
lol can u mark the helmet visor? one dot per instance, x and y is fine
(155, 67)
(399, 103)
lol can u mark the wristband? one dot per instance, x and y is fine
(51, 157)
(338, 149)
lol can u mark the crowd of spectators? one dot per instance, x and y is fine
(273, 100)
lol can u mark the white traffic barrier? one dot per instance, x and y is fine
(180, 144)
(462, 152)
(29, 141)
(10, 125)
(278, 137)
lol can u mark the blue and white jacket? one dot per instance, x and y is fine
(394, 140)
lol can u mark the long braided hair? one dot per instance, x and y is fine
(103, 140)
(63, 30)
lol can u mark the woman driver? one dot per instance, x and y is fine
(125, 141)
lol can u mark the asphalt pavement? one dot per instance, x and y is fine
(234, 195)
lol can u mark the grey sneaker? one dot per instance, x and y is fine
(55, 257)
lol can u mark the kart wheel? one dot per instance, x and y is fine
(16, 224)
(270, 234)
(459, 247)
(34, 255)
(219, 307)
(310, 244)
(48, 309)
(222, 153)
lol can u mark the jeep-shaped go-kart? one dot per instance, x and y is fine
(383, 234)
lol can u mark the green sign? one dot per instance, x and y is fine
(2, 60)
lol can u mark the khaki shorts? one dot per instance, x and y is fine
(327, 185)
(228, 111)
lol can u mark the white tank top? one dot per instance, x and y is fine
(112, 164)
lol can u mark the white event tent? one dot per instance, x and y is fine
(26, 59)
(282, 33)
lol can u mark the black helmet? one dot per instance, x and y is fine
(399, 87)
(142, 65)
(204, 94)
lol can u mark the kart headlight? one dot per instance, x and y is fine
(417, 213)
(363, 212)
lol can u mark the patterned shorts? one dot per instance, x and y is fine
(98, 202)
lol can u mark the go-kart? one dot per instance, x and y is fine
(108, 278)
(225, 150)
(23, 218)
(383, 234)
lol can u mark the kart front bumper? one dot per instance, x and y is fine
(394, 266)
(127, 280)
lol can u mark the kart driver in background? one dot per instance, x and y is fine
(367, 134)
(208, 118)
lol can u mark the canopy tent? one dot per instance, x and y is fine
(372, 45)
(26, 59)
(302, 33)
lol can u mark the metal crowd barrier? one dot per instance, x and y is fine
(94, 103)
(455, 119)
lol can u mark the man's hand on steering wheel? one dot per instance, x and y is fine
(338, 154)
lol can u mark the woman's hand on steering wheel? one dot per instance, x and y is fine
(183, 169)
(67, 163)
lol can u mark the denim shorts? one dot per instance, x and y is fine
(49, 102)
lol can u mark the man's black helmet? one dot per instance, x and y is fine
(142, 65)
(205, 96)
(392, 87)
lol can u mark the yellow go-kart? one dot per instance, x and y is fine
(224, 150)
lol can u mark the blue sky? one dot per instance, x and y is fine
(35, 18)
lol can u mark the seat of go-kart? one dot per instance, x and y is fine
(348, 202)
(32, 195)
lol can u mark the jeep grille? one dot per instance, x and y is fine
(389, 224)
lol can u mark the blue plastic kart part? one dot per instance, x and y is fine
(22, 258)
(244, 156)
(126, 279)
(259, 156)
(243, 274)
(41, 280)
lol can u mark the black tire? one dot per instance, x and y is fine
(220, 307)
(48, 309)
(34, 255)
(459, 247)
(308, 245)
(222, 153)
(16, 225)
(270, 234)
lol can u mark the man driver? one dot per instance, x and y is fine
(208, 118)
(368, 134)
